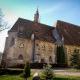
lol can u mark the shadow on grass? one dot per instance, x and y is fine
(61, 79)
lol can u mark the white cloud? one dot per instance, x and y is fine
(10, 17)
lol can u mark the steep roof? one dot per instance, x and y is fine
(26, 28)
(70, 32)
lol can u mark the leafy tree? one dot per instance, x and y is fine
(61, 57)
(47, 73)
(27, 71)
(75, 59)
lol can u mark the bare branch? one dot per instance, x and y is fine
(3, 23)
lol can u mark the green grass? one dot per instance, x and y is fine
(17, 77)
(13, 77)
(60, 77)
(10, 77)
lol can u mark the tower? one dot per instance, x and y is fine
(36, 16)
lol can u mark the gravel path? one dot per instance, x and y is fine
(62, 72)
(67, 73)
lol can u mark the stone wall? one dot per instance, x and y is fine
(21, 51)
(44, 51)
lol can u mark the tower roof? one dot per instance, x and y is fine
(36, 16)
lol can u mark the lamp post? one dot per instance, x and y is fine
(33, 47)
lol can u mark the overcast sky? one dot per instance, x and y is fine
(50, 11)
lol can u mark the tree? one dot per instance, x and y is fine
(61, 57)
(3, 23)
(75, 59)
(27, 71)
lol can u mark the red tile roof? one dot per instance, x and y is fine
(41, 31)
(70, 32)
(25, 28)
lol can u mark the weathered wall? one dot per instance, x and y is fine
(8, 45)
(44, 50)
(21, 47)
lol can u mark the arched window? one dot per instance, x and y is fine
(20, 57)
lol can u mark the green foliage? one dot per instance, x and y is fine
(27, 71)
(47, 72)
(17, 77)
(10, 71)
(75, 59)
(61, 58)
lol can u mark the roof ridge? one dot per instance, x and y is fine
(35, 22)
(68, 23)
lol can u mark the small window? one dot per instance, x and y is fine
(43, 47)
(76, 50)
(50, 59)
(36, 31)
(20, 57)
(37, 44)
(42, 60)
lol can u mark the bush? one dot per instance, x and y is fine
(61, 57)
(10, 71)
(47, 73)
(27, 71)
(75, 59)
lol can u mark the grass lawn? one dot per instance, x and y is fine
(17, 77)
(10, 77)
(60, 77)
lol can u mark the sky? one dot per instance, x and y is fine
(50, 11)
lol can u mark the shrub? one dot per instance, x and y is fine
(61, 57)
(10, 71)
(27, 71)
(75, 59)
(47, 73)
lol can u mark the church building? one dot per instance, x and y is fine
(37, 43)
